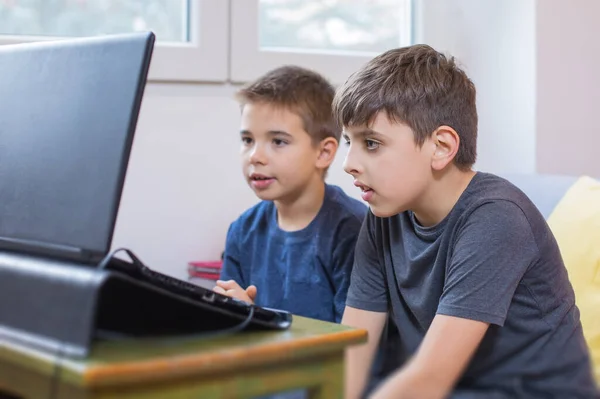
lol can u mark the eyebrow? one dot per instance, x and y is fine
(278, 133)
(270, 133)
(364, 134)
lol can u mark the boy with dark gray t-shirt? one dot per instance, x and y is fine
(534, 345)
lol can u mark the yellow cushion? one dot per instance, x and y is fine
(575, 223)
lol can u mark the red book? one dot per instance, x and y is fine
(205, 269)
(207, 276)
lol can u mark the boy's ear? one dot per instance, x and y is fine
(446, 142)
(327, 149)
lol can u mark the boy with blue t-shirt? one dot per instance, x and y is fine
(295, 249)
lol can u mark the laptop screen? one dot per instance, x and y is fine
(68, 111)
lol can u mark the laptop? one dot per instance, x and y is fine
(68, 113)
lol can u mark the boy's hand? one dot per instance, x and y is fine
(233, 290)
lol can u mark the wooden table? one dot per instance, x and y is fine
(244, 365)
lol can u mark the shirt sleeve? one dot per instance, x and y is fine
(231, 269)
(343, 260)
(491, 254)
(368, 287)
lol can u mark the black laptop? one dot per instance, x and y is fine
(68, 112)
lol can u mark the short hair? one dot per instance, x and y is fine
(299, 90)
(417, 86)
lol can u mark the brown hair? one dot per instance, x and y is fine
(418, 86)
(299, 90)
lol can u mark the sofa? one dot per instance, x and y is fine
(544, 190)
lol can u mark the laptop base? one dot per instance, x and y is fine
(63, 307)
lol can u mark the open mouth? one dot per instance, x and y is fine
(367, 192)
(362, 187)
(259, 181)
(260, 178)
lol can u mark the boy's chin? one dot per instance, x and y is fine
(266, 195)
(383, 211)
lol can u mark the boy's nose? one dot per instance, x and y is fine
(350, 165)
(257, 155)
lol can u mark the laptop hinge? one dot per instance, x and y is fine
(55, 251)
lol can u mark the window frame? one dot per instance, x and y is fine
(248, 61)
(224, 47)
(204, 58)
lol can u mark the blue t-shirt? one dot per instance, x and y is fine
(306, 272)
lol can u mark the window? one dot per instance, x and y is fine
(334, 37)
(225, 40)
(167, 18)
(349, 26)
(182, 27)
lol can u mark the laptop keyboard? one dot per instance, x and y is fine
(191, 291)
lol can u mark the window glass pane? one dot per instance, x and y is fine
(370, 26)
(168, 19)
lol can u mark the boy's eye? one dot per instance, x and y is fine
(246, 140)
(371, 145)
(346, 140)
(279, 142)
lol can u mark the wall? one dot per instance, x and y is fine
(568, 88)
(494, 40)
(183, 185)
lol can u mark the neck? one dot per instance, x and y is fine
(296, 213)
(437, 202)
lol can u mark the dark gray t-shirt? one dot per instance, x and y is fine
(492, 259)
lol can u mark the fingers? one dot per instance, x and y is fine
(251, 292)
(220, 290)
(228, 285)
(232, 289)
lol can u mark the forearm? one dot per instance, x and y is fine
(411, 382)
(440, 361)
(360, 358)
(358, 364)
